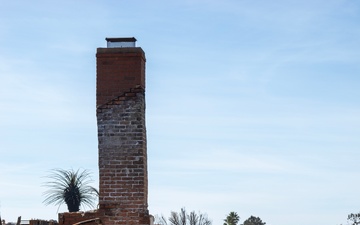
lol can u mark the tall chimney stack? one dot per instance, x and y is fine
(120, 111)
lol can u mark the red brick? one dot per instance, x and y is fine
(122, 136)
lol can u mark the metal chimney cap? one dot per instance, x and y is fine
(121, 42)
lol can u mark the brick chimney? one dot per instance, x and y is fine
(120, 112)
(120, 103)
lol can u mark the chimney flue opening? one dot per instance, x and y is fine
(121, 42)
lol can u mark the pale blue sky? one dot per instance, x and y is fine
(252, 106)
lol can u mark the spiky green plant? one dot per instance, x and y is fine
(232, 219)
(70, 187)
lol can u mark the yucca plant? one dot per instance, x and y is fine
(70, 187)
